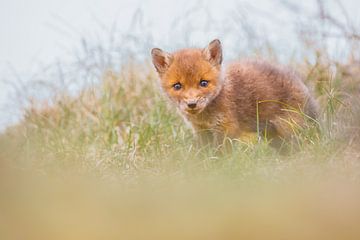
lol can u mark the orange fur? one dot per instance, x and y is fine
(246, 97)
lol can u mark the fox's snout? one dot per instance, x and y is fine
(191, 104)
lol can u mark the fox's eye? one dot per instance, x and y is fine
(204, 83)
(177, 86)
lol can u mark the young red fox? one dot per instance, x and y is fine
(247, 98)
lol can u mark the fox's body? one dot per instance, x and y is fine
(246, 97)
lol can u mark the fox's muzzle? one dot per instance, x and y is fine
(191, 104)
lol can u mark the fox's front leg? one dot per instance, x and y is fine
(224, 133)
(204, 137)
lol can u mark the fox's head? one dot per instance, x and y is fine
(190, 77)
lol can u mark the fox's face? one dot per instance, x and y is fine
(190, 77)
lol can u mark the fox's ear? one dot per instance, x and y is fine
(161, 60)
(213, 52)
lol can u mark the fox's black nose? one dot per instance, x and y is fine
(192, 105)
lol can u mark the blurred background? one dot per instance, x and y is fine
(42, 41)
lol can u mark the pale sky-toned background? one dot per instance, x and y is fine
(35, 32)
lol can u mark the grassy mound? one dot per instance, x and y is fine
(124, 127)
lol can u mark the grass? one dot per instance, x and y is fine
(121, 148)
(117, 158)
(125, 127)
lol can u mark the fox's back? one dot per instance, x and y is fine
(260, 89)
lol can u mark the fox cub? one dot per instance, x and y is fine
(244, 99)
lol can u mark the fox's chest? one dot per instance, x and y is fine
(218, 124)
(226, 126)
(208, 122)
